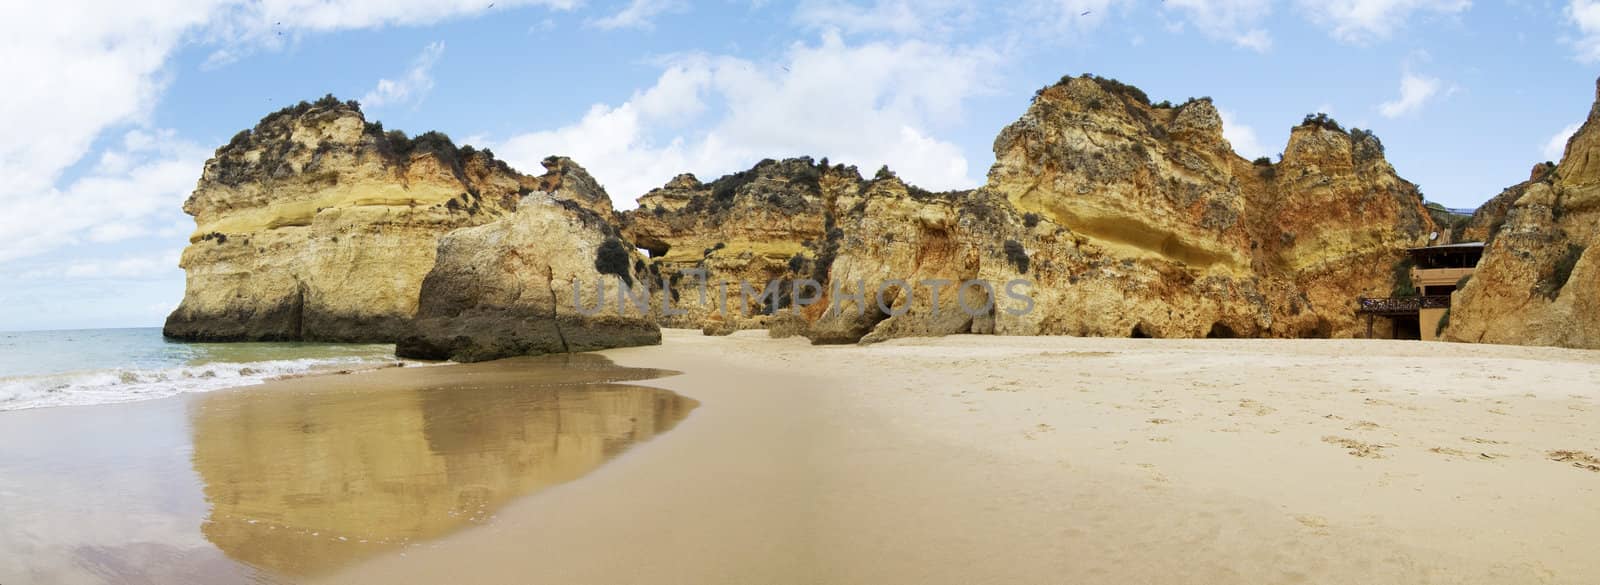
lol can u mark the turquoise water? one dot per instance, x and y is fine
(97, 366)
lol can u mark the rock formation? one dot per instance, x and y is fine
(1104, 215)
(1539, 280)
(1128, 218)
(1168, 233)
(317, 225)
(512, 287)
(750, 227)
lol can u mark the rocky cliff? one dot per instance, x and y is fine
(545, 279)
(318, 225)
(769, 222)
(1164, 231)
(1539, 280)
(1104, 214)
(1127, 218)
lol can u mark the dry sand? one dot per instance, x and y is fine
(959, 460)
(1060, 460)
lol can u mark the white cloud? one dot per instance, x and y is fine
(132, 267)
(1242, 137)
(1236, 21)
(412, 87)
(866, 105)
(899, 17)
(140, 196)
(1070, 17)
(262, 20)
(1586, 15)
(1415, 91)
(1365, 21)
(1556, 147)
(1256, 40)
(638, 14)
(243, 26)
(90, 70)
(85, 70)
(128, 267)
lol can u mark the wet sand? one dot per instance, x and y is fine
(298, 478)
(955, 460)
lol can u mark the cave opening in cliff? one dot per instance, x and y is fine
(1220, 331)
(654, 249)
(1139, 332)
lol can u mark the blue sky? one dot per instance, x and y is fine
(119, 104)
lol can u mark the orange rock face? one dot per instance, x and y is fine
(1539, 280)
(1125, 218)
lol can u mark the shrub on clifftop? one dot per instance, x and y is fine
(1323, 121)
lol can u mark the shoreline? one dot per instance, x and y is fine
(972, 459)
(289, 480)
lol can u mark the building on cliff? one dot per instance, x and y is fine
(1420, 307)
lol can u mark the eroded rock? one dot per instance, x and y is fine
(317, 225)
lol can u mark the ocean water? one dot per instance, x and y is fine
(99, 366)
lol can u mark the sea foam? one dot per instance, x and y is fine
(133, 384)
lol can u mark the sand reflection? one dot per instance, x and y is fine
(311, 479)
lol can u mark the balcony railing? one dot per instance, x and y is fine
(1438, 276)
(1402, 305)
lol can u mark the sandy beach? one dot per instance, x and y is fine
(976, 459)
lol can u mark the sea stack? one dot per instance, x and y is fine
(318, 225)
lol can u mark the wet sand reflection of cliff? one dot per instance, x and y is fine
(304, 482)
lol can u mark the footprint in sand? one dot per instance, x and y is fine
(1482, 441)
(1481, 456)
(1010, 386)
(1358, 448)
(1365, 425)
(1156, 477)
(1256, 408)
(1317, 524)
(1381, 402)
(1578, 459)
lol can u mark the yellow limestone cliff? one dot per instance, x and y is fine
(1150, 224)
(547, 278)
(317, 225)
(1123, 217)
(1539, 280)
(1104, 214)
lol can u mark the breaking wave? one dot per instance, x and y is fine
(134, 384)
